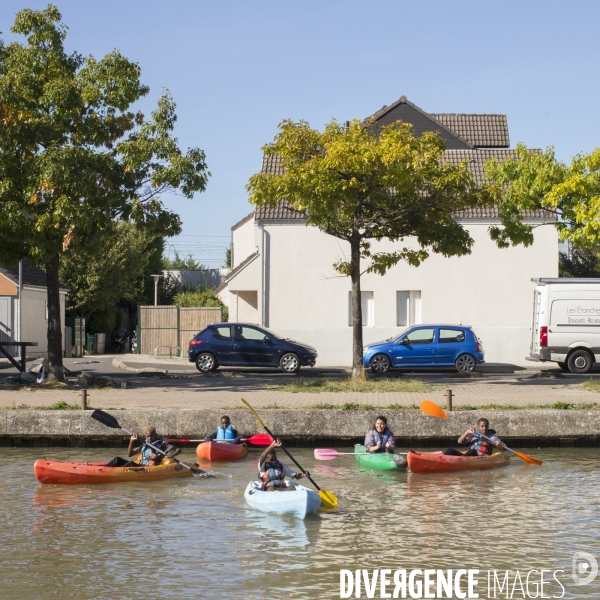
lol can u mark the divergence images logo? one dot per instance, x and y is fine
(585, 568)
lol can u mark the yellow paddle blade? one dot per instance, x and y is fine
(253, 412)
(433, 410)
(529, 459)
(328, 499)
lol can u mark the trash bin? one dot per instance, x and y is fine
(89, 346)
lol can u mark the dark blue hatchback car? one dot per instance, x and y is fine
(426, 346)
(242, 345)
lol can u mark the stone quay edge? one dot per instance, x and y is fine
(532, 428)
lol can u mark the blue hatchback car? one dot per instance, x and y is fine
(243, 345)
(426, 346)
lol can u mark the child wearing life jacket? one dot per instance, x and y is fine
(225, 432)
(380, 438)
(272, 472)
(150, 457)
(478, 445)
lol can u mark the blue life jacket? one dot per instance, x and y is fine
(480, 444)
(274, 476)
(225, 434)
(150, 457)
(384, 441)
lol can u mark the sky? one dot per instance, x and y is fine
(238, 68)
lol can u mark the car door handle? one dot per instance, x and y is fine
(236, 346)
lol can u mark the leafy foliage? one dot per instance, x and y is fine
(538, 181)
(200, 297)
(74, 157)
(179, 263)
(580, 262)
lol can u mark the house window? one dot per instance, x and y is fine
(408, 308)
(368, 312)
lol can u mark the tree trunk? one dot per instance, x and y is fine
(357, 325)
(55, 362)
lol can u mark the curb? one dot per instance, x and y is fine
(121, 365)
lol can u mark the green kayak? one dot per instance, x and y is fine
(379, 460)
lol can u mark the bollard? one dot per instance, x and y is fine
(449, 400)
(84, 398)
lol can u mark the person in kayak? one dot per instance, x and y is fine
(225, 432)
(478, 445)
(150, 457)
(380, 438)
(272, 472)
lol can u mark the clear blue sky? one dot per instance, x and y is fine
(237, 68)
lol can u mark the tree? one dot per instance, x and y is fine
(74, 158)
(579, 262)
(107, 270)
(227, 264)
(179, 263)
(536, 181)
(200, 296)
(364, 185)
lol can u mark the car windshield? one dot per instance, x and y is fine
(397, 335)
(276, 335)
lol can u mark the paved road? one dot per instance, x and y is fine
(223, 389)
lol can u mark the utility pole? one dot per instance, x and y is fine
(156, 278)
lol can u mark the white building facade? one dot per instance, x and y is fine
(282, 275)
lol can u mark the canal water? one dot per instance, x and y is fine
(196, 538)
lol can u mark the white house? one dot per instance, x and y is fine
(282, 275)
(34, 308)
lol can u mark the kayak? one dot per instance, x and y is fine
(58, 471)
(220, 451)
(379, 460)
(296, 500)
(436, 462)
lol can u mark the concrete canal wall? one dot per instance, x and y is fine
(532, 428)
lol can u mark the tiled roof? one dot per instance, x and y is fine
(476, 158)
(32, 276)
(483, 131)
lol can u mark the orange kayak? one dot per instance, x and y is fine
(436, 462)
(220, 451)
(58, 471)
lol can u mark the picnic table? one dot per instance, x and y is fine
(23, 345)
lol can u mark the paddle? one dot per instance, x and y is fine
(330, 454)
(260, 439)
(327, 498)
(111, 422)
(433, 410)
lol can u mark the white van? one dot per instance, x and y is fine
(566, 323)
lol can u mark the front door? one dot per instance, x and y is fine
(252, 347)
(416, 348)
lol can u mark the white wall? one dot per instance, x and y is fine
(244, 242)
(34, 323)
(490, 289)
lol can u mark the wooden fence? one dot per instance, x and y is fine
(172, 326)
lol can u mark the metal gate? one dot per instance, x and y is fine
(171, 327)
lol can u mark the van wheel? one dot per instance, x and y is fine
(580, 361)
(563, 366)
(465, 363)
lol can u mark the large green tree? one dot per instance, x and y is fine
(363, 185)
(537, 181)
(73, 155)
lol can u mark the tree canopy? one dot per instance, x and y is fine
(75, 157)
(363, 185)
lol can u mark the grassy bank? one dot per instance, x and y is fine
(354, 385)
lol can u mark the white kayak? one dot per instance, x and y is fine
(296, 500)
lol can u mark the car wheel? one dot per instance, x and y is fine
(465, 363)
(563, 366)
(580, 361)
(380, 363)
(205, 362)
(290, 363)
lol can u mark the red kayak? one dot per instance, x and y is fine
(436, 462)
(220, 451)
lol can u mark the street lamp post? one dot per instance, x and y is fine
(156, 278)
